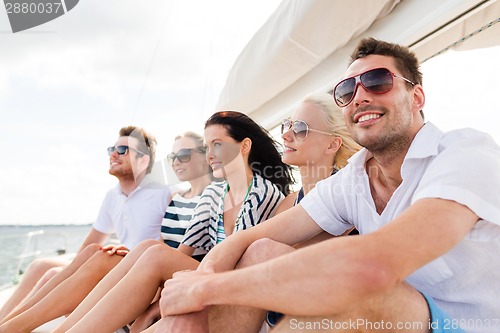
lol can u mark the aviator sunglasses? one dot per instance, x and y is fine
(184, 155)
(123, 150)
(376, 81)
(300, 129)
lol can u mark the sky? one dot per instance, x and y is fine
(462, 89)
(68, 86)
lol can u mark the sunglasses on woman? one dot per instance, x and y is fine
(300, 129)
(122, 150)
(377, 81)
(184, 155)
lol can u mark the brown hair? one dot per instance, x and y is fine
(264, 158)
(406, 61)
(147, 142)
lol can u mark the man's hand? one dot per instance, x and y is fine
(182, 293)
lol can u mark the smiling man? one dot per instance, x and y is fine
(426, 205)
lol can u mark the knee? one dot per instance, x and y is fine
(49, 274)
(157, 254)
(89, 251)
(262, 244)
(53, 271)
(102, 261)
(262, 250)
(146, 244)
(42, 266)
(84, 255)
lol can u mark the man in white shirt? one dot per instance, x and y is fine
(426, 204)
(133, 210)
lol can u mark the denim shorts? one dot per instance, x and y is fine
(440, 321)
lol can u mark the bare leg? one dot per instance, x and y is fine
(66, 296)
(223, 318)
(106, 284)
(146, 319)
(152, 328)
(403, 309)
(133, 294)
(43, 289)
(245, 319)
(33, 274)
(189, 323)
(43, 280)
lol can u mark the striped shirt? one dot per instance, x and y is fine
(176, 220)
(260, 204)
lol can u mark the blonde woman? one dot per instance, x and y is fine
(317, 142)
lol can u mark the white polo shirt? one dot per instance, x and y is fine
(135, 217)
(461, 165)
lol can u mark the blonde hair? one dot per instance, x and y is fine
(334, 120)
(198, 139)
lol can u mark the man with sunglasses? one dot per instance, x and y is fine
(133, 210)
(426, 205)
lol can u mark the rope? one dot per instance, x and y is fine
(463, 39)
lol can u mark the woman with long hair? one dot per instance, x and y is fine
(255, 181)
(317, 142)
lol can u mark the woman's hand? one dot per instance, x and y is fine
(120, 250)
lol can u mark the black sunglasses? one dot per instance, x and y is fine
(376, 81)
(184, 155)
(123, 150)
(300, 129)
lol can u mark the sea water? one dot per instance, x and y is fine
(47, 241)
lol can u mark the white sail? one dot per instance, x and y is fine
(305, 45)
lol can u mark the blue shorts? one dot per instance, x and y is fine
(440, 321)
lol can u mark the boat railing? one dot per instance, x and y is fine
(32, 248)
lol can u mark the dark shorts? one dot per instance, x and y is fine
(199, 257)
(440, 321)
(272, 318)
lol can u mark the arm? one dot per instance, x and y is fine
(94, 236)
(287, 203)
(348, 268)
(290, 227)
(187, 250)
